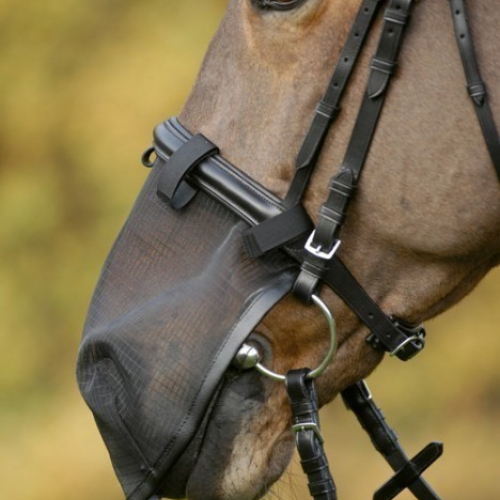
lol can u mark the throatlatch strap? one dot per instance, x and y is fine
(303, 399)
(171, 184)
(408, 472)
(317, 261)
(475, 84)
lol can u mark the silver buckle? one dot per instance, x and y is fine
(309, 426)
(316, 250)
(418, 337)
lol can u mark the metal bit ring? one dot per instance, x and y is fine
(249, 357)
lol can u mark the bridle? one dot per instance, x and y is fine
(285, 225)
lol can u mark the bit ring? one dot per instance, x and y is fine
(248, 356)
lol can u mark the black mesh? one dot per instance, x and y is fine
(175, 299)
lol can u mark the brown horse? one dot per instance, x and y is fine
(422, 230)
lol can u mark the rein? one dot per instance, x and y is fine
(194, 164)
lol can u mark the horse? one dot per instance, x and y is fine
(421, 230)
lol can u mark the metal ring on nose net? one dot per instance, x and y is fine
(249, 357)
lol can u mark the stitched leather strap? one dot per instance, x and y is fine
(358, 399)
(475, 85)
(331, 217)
(304, 403)
(328, 108)
(171, 184)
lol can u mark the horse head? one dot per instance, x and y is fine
(420, 233)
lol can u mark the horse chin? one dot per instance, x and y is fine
(246, 446)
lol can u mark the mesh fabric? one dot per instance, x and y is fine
(176, 298)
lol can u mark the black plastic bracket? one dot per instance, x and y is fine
(410, 472)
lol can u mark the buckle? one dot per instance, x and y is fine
(317, 250)
(413, 344)
(309, 426)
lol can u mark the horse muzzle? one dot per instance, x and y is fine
(173, 305)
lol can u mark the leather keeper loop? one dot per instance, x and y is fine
(477, 91)
(330, 112)
(332, 215)
(386, 67)
(396, 17)
(311, 466)
(171, 184)
(343, 188)
(320, 488)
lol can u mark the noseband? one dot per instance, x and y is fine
(190, 164)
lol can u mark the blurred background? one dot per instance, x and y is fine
(81, 86)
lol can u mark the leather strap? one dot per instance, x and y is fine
(475, 84)
(386, 334)
(277, 231)
(304, 402)
(260, 240)
(359, 399)
(328, 108)
(171, 184)
(330, 220)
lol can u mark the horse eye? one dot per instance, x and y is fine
(278, 4)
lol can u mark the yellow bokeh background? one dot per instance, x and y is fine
(81, 86)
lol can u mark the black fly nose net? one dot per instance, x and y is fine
(175, 300)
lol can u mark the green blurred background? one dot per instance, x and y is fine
(81, 86)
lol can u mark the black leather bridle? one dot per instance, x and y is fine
(193, 164)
